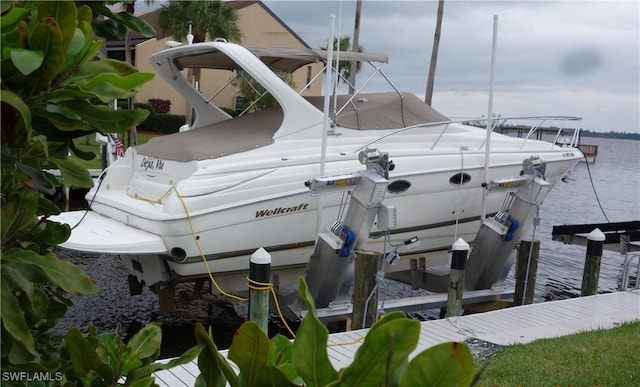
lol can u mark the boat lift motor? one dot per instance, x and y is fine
(493, 251)
(329, 273)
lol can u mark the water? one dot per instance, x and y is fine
(616, 178)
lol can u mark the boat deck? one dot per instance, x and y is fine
(520, 324)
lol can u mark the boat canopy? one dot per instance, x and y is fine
(280, 59)
(390, 110)
(217, 140)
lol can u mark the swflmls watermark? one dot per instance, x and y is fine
(23, 376)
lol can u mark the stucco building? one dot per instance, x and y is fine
(259, 27)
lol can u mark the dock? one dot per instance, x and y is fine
(589, 151)
(515, 325)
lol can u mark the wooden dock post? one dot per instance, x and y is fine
(259, 273)
(366, 268)
(456, 277)
(595, 243)
(526, 269)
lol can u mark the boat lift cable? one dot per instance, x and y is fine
(594, 190)
(381, 285)
(536, 222)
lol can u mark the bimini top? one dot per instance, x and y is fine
(280, 59)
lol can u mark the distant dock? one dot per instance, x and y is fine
(515, 325)
(589, 151)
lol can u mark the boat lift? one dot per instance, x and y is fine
(329, 273)
(493, 251)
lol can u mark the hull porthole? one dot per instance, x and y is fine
(460, 178)
(398, 186)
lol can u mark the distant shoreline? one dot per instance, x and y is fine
(618, 135)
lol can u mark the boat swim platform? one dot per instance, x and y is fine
(514, 325)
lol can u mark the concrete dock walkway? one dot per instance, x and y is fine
(520, 324)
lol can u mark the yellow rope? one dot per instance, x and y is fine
(157, 201)
(347, 342)
(204, 258)
(252, 284)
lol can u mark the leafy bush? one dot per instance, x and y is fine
(104, 360)
(162, 123)
(381, 360)
(161, 106)
(145, 106)
(50, 75)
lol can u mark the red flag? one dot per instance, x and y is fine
(118, 145)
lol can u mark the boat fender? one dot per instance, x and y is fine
(349, 238)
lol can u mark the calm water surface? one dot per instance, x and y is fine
(616, 179)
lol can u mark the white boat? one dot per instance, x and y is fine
(199, 202)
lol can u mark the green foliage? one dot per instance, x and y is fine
(162, 123)
(210, 19)
(446, 364)
(161, 106)
(605, 357)
(114, 26)
(255, 96)
(610, 134)
(50, 73)
(345, 66)
(381, 360)
(105, 360)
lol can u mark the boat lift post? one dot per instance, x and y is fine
(329, 273)
(493, 253)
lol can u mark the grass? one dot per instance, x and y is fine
(94, 147)
(603, 358)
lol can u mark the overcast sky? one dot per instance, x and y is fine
(577, 58)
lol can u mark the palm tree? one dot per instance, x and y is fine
(356, 39)
(207, 19)
(210, 19)
(130, 7)
(434, 54)
(344, 67)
